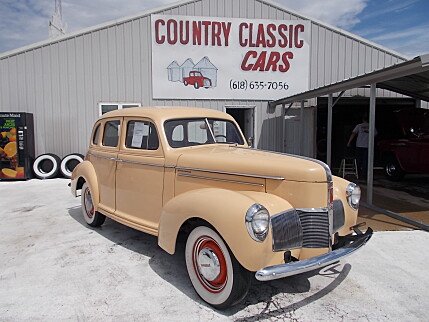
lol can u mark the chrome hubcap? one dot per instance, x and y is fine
(208, 264)
(391, 168)
(89, 207)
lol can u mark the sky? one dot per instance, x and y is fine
(401, 25)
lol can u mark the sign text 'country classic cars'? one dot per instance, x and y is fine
(227, 58)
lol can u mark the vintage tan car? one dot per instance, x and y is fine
(245, 212)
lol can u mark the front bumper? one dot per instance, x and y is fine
(350, 244)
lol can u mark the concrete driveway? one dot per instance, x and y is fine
(54, 267)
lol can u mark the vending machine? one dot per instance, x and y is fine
(16, 145)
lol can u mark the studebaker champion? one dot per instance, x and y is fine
(246, 213)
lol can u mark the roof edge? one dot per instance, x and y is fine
(402, 69)
(100, 26)
(178, 4)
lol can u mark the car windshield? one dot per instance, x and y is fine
(189, 132)
(414, 122)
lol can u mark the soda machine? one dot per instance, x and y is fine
(16, 145)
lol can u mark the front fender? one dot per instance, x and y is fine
(86, 171)
(340, 186)
(225, 210)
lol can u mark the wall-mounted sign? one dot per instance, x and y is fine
(229, 58)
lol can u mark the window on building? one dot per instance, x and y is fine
(103, 108)
(111, 133)
(141, 135)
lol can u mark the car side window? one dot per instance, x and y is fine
(111, 133)
(141, 135)
(96, 135)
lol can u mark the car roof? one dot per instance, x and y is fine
(163, 113)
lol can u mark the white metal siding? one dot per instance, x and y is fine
(62, 82)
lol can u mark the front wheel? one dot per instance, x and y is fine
(393, 170)
(92, 217)
(216, 275)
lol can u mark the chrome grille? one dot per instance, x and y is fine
(339, 217)
(315, 229)
(287, 231)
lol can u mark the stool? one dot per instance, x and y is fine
(348, 166)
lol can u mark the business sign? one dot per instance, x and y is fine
(229, 58)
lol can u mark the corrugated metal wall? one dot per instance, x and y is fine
(62, 82)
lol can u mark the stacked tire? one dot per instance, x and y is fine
(49, 165)
(68, 163)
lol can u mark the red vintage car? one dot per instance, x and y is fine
(197, 79)
(408, 151)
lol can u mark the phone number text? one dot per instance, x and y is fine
(245, 85)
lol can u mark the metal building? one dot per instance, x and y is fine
(67, 81)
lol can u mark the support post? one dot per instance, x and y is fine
(283, 127)
(329, 137)
(370, 177)
(301, 130)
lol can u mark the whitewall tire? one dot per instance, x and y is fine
(216, 275)
(68, 163)
(46, 166)
(92, 217)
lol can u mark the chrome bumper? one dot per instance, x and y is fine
(284, 270)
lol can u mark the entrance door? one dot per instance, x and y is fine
(245, 117)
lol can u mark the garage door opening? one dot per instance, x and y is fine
(347, 113)
(245, 117)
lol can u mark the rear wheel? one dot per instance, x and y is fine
(216, 275)
(92, 217)
(393, 170)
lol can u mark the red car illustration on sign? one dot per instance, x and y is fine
(197, 79)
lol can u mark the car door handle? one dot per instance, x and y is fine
(113, 159)
(119, 160)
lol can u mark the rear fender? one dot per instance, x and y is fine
(224, 210)
(85, 171)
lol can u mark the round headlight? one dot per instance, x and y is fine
(353, 195)
(257, 222)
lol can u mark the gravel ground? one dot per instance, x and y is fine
(54, 267)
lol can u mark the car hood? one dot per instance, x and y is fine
(251, 162)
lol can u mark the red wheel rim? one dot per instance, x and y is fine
(218, 282)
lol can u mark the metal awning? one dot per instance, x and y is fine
(410, 78)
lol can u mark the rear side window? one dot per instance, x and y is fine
(96, 135)
(111, 133)
(141, 135)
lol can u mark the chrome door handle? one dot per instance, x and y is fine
(113, 159)
(119, 160)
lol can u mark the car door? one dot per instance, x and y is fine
(423, 163)
(140, 174)
(103, 157)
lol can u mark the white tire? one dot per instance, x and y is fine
(46, 166)
(92, 217)
(217, 277)
(68, 163)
